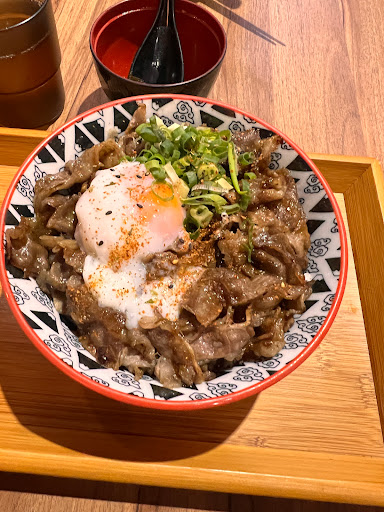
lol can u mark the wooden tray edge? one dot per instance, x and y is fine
(338, 489)
(364, 201)
(343, 487)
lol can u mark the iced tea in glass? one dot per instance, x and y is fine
(31, 87)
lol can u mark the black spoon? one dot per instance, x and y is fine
(159, 60)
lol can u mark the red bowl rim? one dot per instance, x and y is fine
(93, 38)
(160, 404)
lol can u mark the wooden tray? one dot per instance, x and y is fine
(315, 435)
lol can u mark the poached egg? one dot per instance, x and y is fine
(121, 221)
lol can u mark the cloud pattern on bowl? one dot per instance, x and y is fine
(54, 329)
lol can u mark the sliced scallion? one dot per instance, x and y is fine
(162, 190)
(192, 226)
(210, 188)
(246, 158)
(207, 171)
(230, 208)
(207, 199)
(246, 195)
(232, 162)
(191, 178)
(201, 214)
(146, 133)
(159, 174)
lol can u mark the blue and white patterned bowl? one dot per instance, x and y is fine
(48, 330)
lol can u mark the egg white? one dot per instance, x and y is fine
(120, 223)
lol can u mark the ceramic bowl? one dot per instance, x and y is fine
(51, 333)
(119, 31)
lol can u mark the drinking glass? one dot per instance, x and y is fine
(31, 86)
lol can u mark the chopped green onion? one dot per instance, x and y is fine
(175, 155)
(177, 133)
(159, 174)
(146, 133)
(246, 195)
(145, 153)
(182, 189)
(224, 183)
(158, 157)
(152, 164)
(167, 147)
(191, 178)
(185, 161)
(246, 158)
(207, 171)
(180, 165)
(209, 157)
(191, 159)
(201, 215)
(187, 140)
(203, 146)
(225, 134)
(153, 122)
(126, 158)
(162, 190)
(232, 162)
(207, 199)
(159, 134)
(230, 208)
(173, 127)
(172, 175)
(180, 186)
(192, 226)
(209, 187)
(159, 121)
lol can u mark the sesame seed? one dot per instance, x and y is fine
(139, 205)
(170, 286)
(100, 243)
(138, 176)
(108, 212)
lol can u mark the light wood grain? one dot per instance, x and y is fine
(13, 138)
(106, 496)
(324, 88)
(69, 437)
(365, 200)
(168, 500)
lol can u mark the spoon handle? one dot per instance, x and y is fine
(166, 13)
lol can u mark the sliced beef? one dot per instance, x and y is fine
(104, 333)
(63, 220)
(223, 342)
(173, 346)
(249, 140)
(24, 249)
(130, 142)
(101, 156)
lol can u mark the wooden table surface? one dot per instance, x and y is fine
(314, 69)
